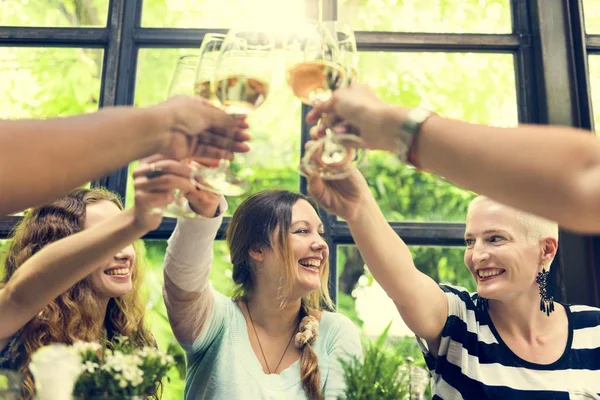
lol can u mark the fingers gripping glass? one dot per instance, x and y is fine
(182, 82)
(237, 69)
(321, 62)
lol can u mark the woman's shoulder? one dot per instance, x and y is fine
(461, 294)
(332, 322)
(339, 334)
(582, 316)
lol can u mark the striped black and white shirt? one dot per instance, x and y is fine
(474, 363)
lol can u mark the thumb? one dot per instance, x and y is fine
(315, 186)
(326, 107)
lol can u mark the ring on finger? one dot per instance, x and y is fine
(154, 171)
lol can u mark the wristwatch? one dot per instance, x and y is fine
(409, 130)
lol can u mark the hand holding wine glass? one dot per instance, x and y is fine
(182, 83)
(358, 110)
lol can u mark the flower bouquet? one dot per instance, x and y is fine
(123, 372)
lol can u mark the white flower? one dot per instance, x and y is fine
(167, 359)
(85, 347)
(55, 369)
(90, 367)
(127, 368)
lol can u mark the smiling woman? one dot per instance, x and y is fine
(79, 312)
(506, 340)
(281, 270)
(76, 255)
(116, 278)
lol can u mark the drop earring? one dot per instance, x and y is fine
(546, 297)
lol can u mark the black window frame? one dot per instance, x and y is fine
(552, 87)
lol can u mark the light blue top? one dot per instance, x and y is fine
(222, 365)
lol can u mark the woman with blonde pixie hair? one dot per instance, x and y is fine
(510, 339)
(72, 274)
(272, 340)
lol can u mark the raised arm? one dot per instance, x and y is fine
(188, 261)
(61, 264)
(41, 160)
(419, 299)
(551, 171)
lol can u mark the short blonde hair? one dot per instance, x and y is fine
(536, 227)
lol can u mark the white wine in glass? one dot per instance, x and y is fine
(314, 81)
(210, 50)
(240, 84)
(240, 94)
(318, 67)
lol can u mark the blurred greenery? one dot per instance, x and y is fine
(465, 16)
(591, 12)
(53, 13)
(48, 82)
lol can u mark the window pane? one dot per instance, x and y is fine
(49, 82)
(594, 64)
(474, 87)
(474, 16)
(53, 13)
(275, 125)
(591, 12)
(363, 300)
(218, 14)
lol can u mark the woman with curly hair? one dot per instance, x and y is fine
(71, 271)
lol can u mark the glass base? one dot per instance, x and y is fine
(224, 182)
(333, 157)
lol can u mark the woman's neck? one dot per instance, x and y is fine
(520, 316)
(268, 314)
(99, 325)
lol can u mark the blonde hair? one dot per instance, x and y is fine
(536, 228)
(263, 221)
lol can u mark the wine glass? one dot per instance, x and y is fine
(240, 84)
(207, 62)
(323, 59)
(346, 40)
(182, 82)
(203, 87)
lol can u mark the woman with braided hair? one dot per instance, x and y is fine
(272, 340)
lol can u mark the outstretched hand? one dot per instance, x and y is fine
(359, 111)
(155, 181)
(199, 129)
(342, 197)
(203, 199)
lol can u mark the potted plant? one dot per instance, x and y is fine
(382, 374)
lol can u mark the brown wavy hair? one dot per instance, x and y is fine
(263, 221)
(71, 316)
